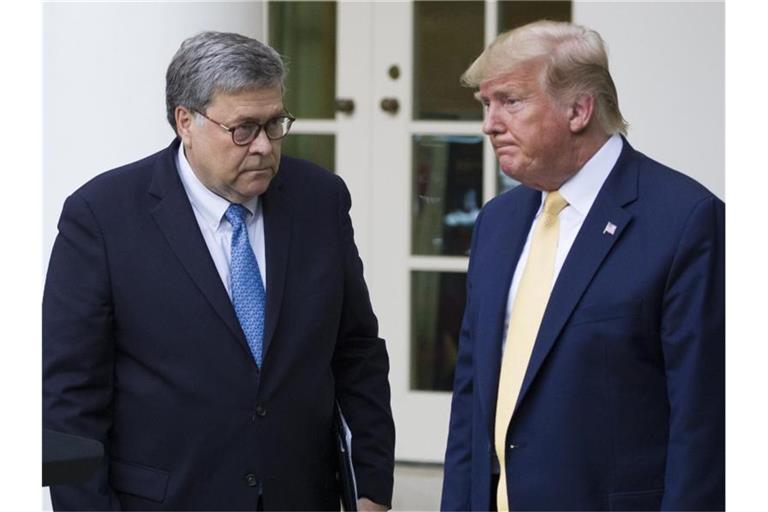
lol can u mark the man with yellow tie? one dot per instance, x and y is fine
(590, 372)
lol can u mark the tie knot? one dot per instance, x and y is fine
(236, 214)
(554, 203)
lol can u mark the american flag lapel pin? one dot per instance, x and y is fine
(610, 228)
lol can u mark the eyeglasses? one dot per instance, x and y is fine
(243, 134)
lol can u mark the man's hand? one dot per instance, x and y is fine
(366, 505)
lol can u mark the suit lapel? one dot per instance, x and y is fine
(589, 250)
(277, 236)
(505, 246)
(176, 220)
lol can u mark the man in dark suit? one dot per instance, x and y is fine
(203, 312)
(590, 372)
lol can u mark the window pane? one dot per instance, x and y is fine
(447, 37)
(447, 193)
(513, 13)
(317, 148)
(437, 307)
(304, 33)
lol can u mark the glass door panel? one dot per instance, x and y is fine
(315, 147)
(304, 33)
(514, 13)
(437, 301)
(447, 36)
(447, 191)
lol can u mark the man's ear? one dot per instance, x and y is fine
(184, 120)
(580, 112)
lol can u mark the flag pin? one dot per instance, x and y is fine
(610, 228)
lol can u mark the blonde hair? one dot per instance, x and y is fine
(575, 62)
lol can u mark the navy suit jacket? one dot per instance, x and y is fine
(622, 405)
(142, 349)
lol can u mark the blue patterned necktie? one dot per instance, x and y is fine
(248, 294)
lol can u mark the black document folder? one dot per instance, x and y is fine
(346, 469)
(69, 459)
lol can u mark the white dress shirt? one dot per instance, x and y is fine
(580, 191)
(209, 211)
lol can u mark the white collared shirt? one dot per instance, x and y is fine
(580, 191)
(209, 211)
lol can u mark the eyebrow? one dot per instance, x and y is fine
(505, 92)
(247, 119)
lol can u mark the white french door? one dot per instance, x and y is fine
(407, 140)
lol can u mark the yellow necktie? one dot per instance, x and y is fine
(524, 320)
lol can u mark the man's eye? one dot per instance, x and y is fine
(243, 131)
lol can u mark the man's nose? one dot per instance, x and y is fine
(261, 145)
(492, 122)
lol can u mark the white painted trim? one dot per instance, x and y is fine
(439, 263)
(446, 127)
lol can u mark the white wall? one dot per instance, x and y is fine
(668, 62)
(104, 84)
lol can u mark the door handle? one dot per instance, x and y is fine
(390, 105)
(344, 105)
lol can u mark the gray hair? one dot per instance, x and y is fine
(575, 62)
(213, 62)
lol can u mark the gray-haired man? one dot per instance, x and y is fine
(203, 311)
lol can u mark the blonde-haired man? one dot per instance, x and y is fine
(590, 372)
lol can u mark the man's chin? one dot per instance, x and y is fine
(522, 177)
(250, 185)
(510, 170)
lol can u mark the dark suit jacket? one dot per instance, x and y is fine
(142, 349)
(622, 406)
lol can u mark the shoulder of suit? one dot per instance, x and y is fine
(662, 181)
(509, 198)
(123, 178)
(303, 175)
(299, 168)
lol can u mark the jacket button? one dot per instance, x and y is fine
(251, 480)
(261, 411)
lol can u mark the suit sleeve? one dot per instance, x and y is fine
(457, 476)
(78, 349)
(361, 367)
(693, 341)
